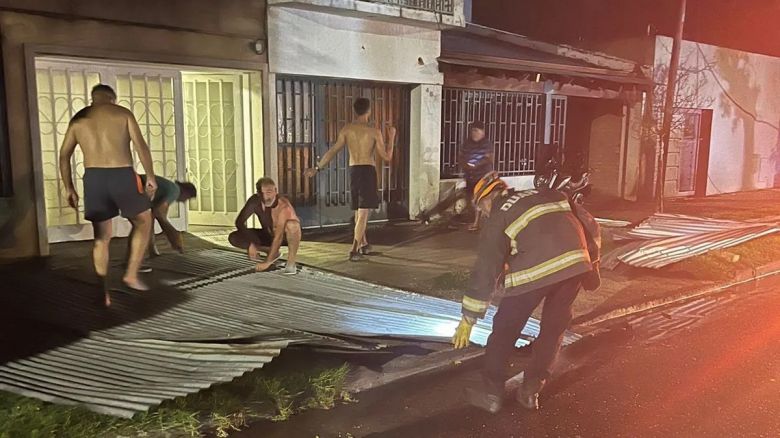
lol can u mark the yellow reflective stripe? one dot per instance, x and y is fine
(533, 213)
(473, 305)
(549, 267)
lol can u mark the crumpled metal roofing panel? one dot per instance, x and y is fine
(143, 359)
(664, 239)
(124, 377)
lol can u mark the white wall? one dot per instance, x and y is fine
(425, 148)
(743, 90)
(317, 44)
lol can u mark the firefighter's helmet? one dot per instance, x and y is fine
(486, 185)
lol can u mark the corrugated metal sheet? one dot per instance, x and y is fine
(123, 377)
(664, 239)
(140, 353)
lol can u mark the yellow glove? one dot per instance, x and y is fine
(463, 332)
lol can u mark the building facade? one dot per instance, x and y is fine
(195, 83)
(726, 123)
(725, 129)
(322, 56)
(539, 99)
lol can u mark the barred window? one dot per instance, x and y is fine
(514, 121)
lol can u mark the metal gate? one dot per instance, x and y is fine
(310, 113)
(63, 88)
(518, 124)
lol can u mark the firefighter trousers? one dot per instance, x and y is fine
(513, 313)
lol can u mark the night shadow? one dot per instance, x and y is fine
(42, 309)
(739, 101)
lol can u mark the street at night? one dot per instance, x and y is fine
(719, 376)
(389, 218)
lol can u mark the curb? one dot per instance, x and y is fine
(743, 277)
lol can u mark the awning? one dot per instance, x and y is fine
(539, 67)
(473, 47)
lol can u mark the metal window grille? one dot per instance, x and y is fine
(558, 122)
(514, 121)
(440, 6)
(310, 113)
(295, 137)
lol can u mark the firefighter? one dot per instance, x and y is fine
(539, 245)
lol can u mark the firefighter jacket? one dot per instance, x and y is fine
(537, 236)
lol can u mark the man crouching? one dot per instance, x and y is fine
(280, 227)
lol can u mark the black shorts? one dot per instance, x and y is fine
(258, 236)
(109, 191)
(363, 187)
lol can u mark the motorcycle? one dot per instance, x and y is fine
(551, 177)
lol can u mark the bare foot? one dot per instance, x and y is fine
(107, 299)
(252, 252)
(135, 284)
(263, 266)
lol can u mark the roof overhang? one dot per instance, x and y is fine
(531, 66)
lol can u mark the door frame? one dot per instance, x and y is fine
(33, 51)
(700, 177)
(242, 131)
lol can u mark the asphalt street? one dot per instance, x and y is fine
(713, 373)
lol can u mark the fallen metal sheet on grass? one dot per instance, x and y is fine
(123, 377)
(664, 239)
(141, 353)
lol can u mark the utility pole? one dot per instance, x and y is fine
(666, 127)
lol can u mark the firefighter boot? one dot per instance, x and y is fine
(528, 393)
(485, 397)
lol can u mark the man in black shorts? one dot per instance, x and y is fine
(363, 141)
(104, 131)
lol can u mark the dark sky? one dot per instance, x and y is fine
(751, 25)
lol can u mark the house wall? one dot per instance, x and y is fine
(127, 30)
(741, 89)
(425, 148)
(318, 44)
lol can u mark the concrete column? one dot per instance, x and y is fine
(632, 160)
(270, 140)
(424, 148)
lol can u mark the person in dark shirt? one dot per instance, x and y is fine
(475, 159)
(280, 227)
(166, 194)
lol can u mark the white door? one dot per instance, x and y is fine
(155, 100)
(63, 89)
(215, 146)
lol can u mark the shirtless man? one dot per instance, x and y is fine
(281, 227)
(104, 131)
(362, 141)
